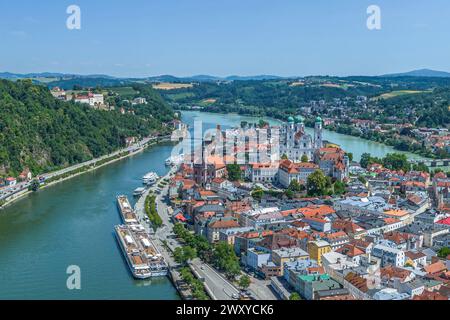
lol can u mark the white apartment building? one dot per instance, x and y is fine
(388, 255)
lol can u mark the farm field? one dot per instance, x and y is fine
(172, 86)
(397, 93)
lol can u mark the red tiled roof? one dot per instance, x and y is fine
(436, 267)
(394, 272)
(414, 255)
(350, 250)
(348, 226)
(357, 281)
(336, 235)
(427, 295)
(316, 210)
(445, 221)
(224, 224)
(440, 175)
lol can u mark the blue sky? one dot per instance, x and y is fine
(224, 37)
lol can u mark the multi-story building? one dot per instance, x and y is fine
(257, 257)
(333, 162)
(322, 224)
(388, 255)
(362, 205)
(264, 172)
(93, 99)
(289, 171)
(317, 248)
(283, 255)
(217, 225)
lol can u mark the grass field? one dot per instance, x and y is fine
(207, 102)
(397, 93)
(123, 91)
(178, 96)
(172, 86)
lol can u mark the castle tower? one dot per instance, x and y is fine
(318, 143)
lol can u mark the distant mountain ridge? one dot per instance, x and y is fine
(12, 76)
(206, 78)
(424, 73)
(160, 78)
(420, 73)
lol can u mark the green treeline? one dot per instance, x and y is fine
(152, 213)
(221, 255)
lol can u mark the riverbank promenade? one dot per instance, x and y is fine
(217, 287)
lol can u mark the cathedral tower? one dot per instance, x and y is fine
(318, 143)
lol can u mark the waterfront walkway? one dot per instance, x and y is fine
(12, 193)
(216, 285)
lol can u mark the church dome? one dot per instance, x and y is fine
(299, 119)
(290, 119)
(318, 119)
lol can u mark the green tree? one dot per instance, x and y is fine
(183, 255)
(362, 179)
(421, 167)
(244, 282)
(152, 213)
(189, 253)
(34, 186)
(396, 161)
(444, 252)
(179, 230)
(234, 172)
(317, 184)
(295, 296)
(350, 156)
(295, 186)
(284, 157)
(365, 160)
(225, 259)
(257, 193)
(290, 194)
(179, 256)
(186, 274)
(304, 158)
(339, 187)
(198, 292)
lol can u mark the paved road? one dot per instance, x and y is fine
(261, 289)
(9, 191)
(221, 288)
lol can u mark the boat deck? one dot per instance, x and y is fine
(141, 254)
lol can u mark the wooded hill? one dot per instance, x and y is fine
(42, 133)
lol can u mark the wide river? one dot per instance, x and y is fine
(72, 223)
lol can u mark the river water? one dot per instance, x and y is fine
(352, 144)
(71, 223)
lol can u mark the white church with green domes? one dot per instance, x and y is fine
(295, 142)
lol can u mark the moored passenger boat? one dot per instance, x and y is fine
(150, 178)
(143, 258)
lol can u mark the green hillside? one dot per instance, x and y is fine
(42, 133)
